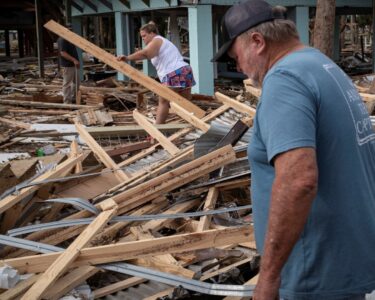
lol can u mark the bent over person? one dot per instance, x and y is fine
(69, 62)
(312, 156)
(169, 63)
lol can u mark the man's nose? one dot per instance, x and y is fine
(238, 68)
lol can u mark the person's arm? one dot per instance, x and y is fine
(150, 51)
(293, 191)
(67, 56)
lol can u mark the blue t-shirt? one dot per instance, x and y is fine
(308, 101)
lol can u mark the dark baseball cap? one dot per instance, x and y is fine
(238, 19)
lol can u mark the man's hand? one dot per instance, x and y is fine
(267, 289)
(76, 63)
(121, 58)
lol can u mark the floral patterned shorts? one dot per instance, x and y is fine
(182, 77)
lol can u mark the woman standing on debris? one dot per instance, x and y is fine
(170, 66)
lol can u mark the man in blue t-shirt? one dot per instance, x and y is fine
(312, 156)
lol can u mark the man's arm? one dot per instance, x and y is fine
(67, 56)
(293, 191)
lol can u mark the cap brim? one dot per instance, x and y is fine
(222, 54)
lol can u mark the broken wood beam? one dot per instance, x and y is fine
(136, 249)
(151, 130)
(44, 104)
(124, 68)
(68, 256)
(103, 156)
(236, 105)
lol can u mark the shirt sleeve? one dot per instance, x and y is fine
(287, 114)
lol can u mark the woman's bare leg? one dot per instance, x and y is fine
(163, 107)
(162, 111)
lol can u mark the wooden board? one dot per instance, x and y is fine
(151, 130)
(103, 156)
(63, 261)
(137, 249)
(124, 68)
(238, 106)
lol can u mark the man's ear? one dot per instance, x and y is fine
(260, 42)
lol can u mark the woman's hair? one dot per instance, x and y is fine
(150, 27)
(277, 30)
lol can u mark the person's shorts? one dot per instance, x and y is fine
(180, 78)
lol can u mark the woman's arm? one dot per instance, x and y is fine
(150, 51)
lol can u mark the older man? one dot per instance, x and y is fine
(312, 156)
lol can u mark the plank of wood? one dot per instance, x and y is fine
(20, 288)
(151, 130)
(74, 152)
(103, 156)
(204, 222)
(248, 83)
(124, 68)
(63, 261)
(189, 117)
(65, 284)
(238, 106)
(171, 180)
(14, 123)
(136, 249)
(173, 137)
(44, 104)
(11, 200)
(133, 129)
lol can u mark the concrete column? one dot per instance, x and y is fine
(21, 48)
(77, 28)
(336, 39)
(122, 37)
(201, 48)
(7, 42)
(39, 36)
(148, 68)
(300, 15)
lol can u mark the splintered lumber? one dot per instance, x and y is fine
(136, 249)
(70, 281)
(150, 129)
(189, 117)
(204, 222)
(238, 106)
(171, 180)
(103, 156)
(11, 200)
(251, 88)
(124, 68)
(20, 288)
(15, 123)
(132, 129)
(43, 104)
(63, 261)
(173, 137)
(74, 151)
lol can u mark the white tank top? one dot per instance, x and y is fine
(169, 58)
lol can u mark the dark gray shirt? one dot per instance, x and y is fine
(69, 48)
